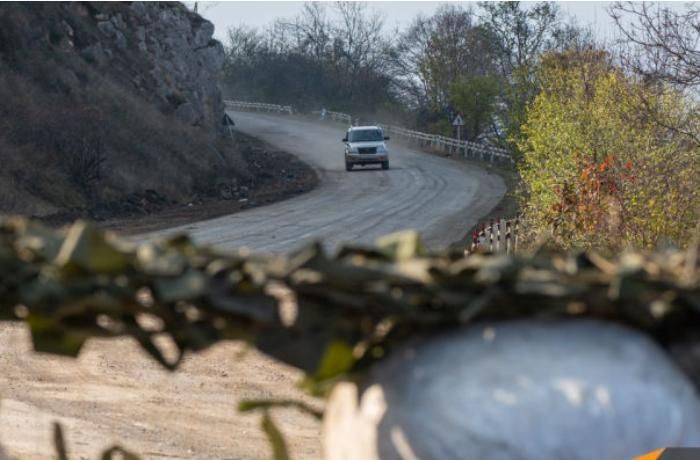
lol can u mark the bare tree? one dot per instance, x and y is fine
(664, 43)
(412, 76)
(243, 44)
(522, 33)
(328, 55)
(313, 31)
(438, 50)
(358, 45)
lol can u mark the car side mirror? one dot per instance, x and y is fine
(345, 139)
(386, 138)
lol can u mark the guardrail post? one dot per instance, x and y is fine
(498, 235)
(475, 241)
(508, 241)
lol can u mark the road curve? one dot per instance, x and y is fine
(105, 396)
(439, 197)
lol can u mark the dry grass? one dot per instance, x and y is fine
(143, 147)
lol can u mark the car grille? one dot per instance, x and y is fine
(367, 150)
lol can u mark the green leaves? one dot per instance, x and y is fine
(337, 359)
(475, 97)
(48, 337)
(607, 161)
(274, 436)
(88, 249)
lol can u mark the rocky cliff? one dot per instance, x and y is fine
(167, 52)
(104, 101)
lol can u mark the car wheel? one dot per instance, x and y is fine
(348, 166)
(385, 165)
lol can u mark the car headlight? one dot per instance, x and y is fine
(352, 149)
(381, 149)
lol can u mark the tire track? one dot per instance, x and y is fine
(420, 191)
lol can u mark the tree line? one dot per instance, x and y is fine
(343, 57)
(606, 135)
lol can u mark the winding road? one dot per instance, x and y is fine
(113, 393)
(439, 197)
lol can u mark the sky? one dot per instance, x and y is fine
(396, 13)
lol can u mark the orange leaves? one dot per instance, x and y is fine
(586, 202)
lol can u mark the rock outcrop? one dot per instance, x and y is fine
(137, 83)
(177, 62)
(163, 50)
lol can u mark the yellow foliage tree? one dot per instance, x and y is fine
(606, 158)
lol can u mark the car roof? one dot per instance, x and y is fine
(353, 128)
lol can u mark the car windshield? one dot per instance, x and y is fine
(365, 135)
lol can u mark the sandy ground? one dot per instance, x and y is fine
(114, 393)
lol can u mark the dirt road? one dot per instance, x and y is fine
(439, 197)
(113, 393)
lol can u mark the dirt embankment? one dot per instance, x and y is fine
(274, 175)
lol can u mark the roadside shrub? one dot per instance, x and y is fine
(597, 169)
(81, 158)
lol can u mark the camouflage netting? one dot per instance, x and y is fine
(329, 315)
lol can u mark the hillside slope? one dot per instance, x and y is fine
(110, 109)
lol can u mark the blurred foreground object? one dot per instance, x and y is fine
(522, 390)
(520, 356)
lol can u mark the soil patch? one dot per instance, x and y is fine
(272, 175)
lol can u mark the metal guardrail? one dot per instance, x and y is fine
(446, 144)
(259, 106)
(334, 116)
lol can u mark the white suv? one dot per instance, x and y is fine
(365, 145)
